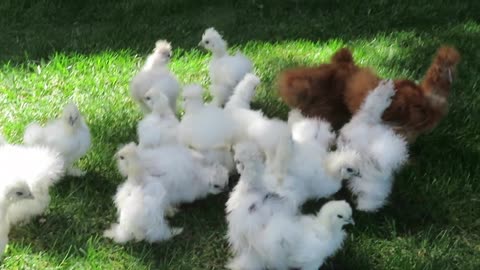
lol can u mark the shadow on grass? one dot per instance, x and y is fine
(34, 30)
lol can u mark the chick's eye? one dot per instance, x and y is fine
(350, 170)
(339, 216)
(207, 42)
(216, 186)
(147, 98)
(121, 157)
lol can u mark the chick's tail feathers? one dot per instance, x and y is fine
(33, 134)
(342, 56)
(376, 102)
(441, 72)
(244, 92)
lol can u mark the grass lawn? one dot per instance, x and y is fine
(52, 51)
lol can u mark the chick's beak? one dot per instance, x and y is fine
(72, 120)
(351, 221)
(200, 44)
(30, 196)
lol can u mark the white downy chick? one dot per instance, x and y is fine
(156, 74)
(183, 173)
(302, 242)
(206, 128)
(140, 203)
(39, 167)
(383, 152)
(69, 135)
(159, 127)
(310, 172)
(11, 192)
(250, 205)
(225, 70)
(254, 125)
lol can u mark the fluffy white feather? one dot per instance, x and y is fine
(383, 152)
(69, 135)
(225, 70)
(12, 191)
(40, 168)
(156, 74)
(159, 127)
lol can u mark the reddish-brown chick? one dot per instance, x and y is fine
(319, 91)
(335, 91)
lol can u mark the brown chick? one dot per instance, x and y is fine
(336, 90)
(319, 91)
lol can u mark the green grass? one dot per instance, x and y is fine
(52, 51)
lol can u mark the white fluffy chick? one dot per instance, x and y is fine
(302, 242)
(254, 125)
(250, 205)
(156, 74)
(311, 172)
(11, 192)
(206, 128)
(383, 151)
(39, 167)
(159, 127)
(69, 135)
(225, 70)
(211, 130)
(183, 173)
(140, 203)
